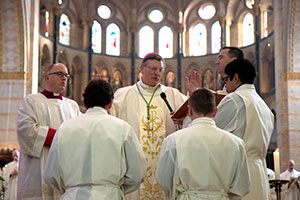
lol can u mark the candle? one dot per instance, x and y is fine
(276, 164)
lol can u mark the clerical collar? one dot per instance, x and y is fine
(144, 86)
(51, 95)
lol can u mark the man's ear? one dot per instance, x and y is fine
(108, 106)
(215, 111)
(237, 79)
(141, 68)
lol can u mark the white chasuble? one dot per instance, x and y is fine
(130, 106)
(152, 134)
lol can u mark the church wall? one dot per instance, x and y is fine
(22, 81)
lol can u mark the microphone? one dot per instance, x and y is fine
(164, 97)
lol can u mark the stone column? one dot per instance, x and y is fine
(19, 37)
(287, 79)
(227, 32)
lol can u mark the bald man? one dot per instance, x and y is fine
(38, 118)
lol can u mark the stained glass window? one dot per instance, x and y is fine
(96, 37)
(198, 37)
(46, 23)
(249, 3)
(156, 16)
(104, 12)
(265, 31)
(113, 40)
(146, 41)
(207, 11)
(216, 37)
(248, 30)
(64, 30)
(165, 38)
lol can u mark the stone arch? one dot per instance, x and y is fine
(239, 27)
(117, 80)
(102, 68)
(45, 63)
(122, 74)
(77, 79)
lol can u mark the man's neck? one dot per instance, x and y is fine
(145, 86)
(51, 95)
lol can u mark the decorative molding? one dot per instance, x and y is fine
(293, 76)
(21, 36)
(13, 76)
(293, 7)
(1, 36)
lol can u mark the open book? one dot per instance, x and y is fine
(182, 111)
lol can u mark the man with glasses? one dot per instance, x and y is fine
(244, 113)
(38, 118)
(226, 55)
(109, 160)
(142, 107)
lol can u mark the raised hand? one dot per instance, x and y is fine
(193, 81)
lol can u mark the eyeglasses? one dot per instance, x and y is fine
(60, 74)
(154, 69)
(225, 79)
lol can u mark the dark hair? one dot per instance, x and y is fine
(202, 101)
(234, 52)
(97, 93)
(152, 56)
(243, 68)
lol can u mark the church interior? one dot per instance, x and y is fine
(110, 38)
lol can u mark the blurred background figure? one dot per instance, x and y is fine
(291, 190)
(11, 177)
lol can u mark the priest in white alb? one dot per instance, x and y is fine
(11, 177)
(203, 161)
(290, 191)
(142, 107)
(95, 155)
(244, 113)
(38, 118)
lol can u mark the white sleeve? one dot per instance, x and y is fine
(31, 135)
(166, 165)
(240, 185)
(135, 161)
(52, 172)
(231, 115)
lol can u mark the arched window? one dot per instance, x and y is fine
(104, 11)
(165, 45)
(249, 3)
(46, 24)
(64, 30)
(146, 41)
(156, 16)
(216, 37)
(198, 39)
(96, 37)
(207, 11)
(248, 30)
(113, 40)
(265, 31)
